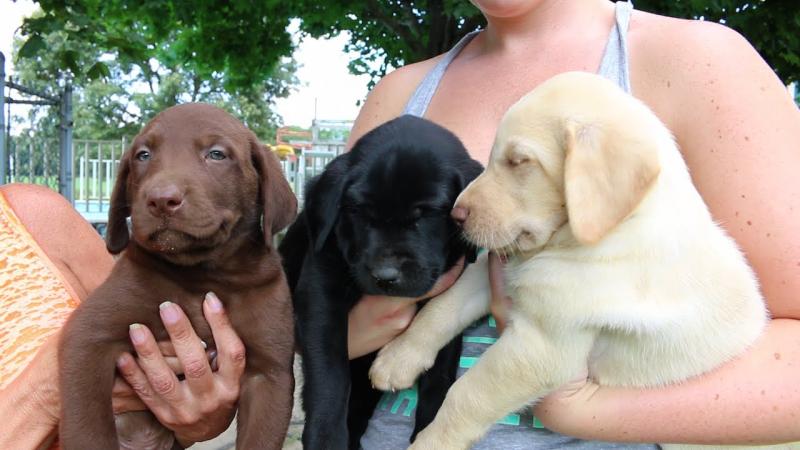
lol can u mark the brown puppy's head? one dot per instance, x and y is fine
(194, 179)
(576, 149)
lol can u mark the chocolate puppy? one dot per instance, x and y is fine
(376, 221)
(204, 198)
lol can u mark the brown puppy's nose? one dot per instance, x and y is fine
(459, 214)
(164, 200)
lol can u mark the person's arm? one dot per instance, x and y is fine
(29, 406)
(740, 135)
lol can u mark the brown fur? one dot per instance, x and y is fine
(213, 242)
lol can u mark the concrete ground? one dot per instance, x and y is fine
(227, 440)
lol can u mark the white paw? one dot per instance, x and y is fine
(399, 363)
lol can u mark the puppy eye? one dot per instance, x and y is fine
(216, 155)
(142, 155)
(515, 161)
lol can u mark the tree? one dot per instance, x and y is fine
(397, 32)
(243, 40)
(390, 33)
(117, 104)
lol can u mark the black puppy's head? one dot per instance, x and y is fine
(386, 206)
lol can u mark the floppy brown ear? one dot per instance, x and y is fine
(606, 175)
(117, 235)
(277, 198)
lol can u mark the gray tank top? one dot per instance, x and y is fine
(393, 419)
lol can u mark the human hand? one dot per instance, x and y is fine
(501, 302)
(565, 408)
(376, 320)
(202, 405)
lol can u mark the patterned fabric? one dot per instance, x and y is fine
(34, 298)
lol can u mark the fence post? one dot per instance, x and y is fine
(3, 154)
(66, 169)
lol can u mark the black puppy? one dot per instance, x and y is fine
(376, 221)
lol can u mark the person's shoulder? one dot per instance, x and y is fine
(679, 64)
(389, 97)
(30, 202)
(688, 47)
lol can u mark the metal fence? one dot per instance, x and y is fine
(95, 167)
(308, 164)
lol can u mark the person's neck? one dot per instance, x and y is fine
(550, 20)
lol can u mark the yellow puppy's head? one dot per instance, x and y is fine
(577, 150)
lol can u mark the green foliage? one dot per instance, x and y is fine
(241, 40)
(390, 33)
(113, 100)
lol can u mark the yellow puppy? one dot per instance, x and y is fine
(616, 267)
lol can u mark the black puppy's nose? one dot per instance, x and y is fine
(164, 200)
(386, 274)
(459, 214)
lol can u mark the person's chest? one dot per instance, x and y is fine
(475, 92)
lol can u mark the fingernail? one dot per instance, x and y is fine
(169, 312)
(213, 302)
(136, 331)
(122, 360)
(203, 343)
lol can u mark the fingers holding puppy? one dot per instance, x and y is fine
(202, 405)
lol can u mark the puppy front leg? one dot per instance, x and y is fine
(265, 409)
(326, 382)
(525, 364)
(86, 379)
(400, 362)
(322, 301)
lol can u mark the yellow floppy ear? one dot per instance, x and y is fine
(607, 172)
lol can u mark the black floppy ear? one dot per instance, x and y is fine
(117, 234)
(466, 172)
(323, 199)
(276, 196)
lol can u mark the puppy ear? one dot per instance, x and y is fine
(607, 172)
(277, 198)
(117, 234)
(323, 199)
(467, 172)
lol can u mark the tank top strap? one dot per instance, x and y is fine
(418, 102)
(614, 64)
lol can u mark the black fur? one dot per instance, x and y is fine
(384, 205)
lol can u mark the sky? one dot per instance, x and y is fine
(322, 73)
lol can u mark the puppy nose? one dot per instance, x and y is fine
(164, 200)
(386, 274)
(459, 214)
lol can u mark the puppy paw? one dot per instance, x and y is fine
(398, 365)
